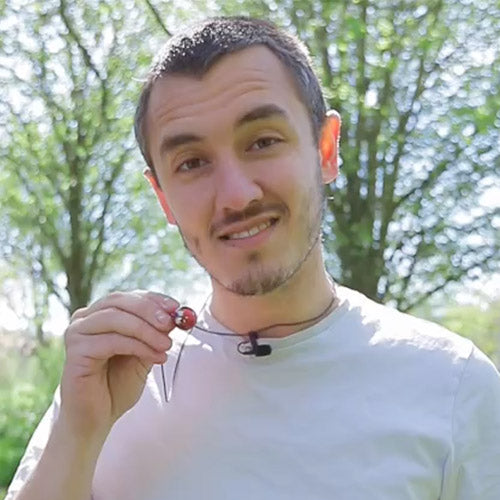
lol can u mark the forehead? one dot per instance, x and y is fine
(236, 83)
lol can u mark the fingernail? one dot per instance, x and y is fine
(170, 304)
(162, 316)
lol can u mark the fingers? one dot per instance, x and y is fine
(161, 300)
(151, 307)
(141, 317)
(109, 344)
(127, 324)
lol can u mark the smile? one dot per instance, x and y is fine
(251, 232)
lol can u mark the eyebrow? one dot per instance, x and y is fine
(174, 141)
(261, 113)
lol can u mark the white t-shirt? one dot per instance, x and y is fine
(368, 403)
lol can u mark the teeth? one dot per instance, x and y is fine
(251, 232)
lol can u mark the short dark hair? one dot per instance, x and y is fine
(194, 51)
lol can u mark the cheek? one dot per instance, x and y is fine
(282, 175)
(192, 213)
(294, 178)
(191, 241)
(189, 206)
(196, 246)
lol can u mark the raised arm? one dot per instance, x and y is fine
(110, 349)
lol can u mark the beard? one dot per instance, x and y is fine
(260, 279)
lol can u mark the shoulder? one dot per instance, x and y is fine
(423, 354)
(392, 329)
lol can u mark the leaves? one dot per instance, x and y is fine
(28, 382)
(477, 319)
(68, 157)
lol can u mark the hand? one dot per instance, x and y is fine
(111, 346)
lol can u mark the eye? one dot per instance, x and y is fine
(264, 142)
(191, 164)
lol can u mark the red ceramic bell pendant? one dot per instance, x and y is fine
(184, 318)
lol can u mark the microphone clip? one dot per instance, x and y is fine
(255, 348)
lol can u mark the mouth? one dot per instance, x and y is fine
(251, 231)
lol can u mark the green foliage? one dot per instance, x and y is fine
(27, 384)
(481, 325)
(478, 320)
(76, 213)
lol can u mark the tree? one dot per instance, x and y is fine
(74, 203)
(416, 85)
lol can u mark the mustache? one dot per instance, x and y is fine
(252, 210)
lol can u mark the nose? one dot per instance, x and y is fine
(236, 187)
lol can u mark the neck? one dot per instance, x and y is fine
(304, 296)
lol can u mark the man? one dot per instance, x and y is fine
(288, 387)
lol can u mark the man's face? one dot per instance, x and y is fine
(236, 159)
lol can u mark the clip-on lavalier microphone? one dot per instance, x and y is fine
(257, 350)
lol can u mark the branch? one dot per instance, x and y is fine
(406, 279)
(157, 16)
(321, 37)
(108, 189)
(51, 234)
(433, 176)
(86, 57)
(403, 131)
(50, 173)
(449, 279)
(354, 179)
(50, 283)
(76, 38)
(35, 89)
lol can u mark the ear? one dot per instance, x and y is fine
(160, 195)
(329, 147)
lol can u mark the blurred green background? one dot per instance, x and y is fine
(413, 219)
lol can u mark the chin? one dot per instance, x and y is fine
(260, 281)
(256, 286)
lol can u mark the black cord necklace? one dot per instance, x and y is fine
(252, 346)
